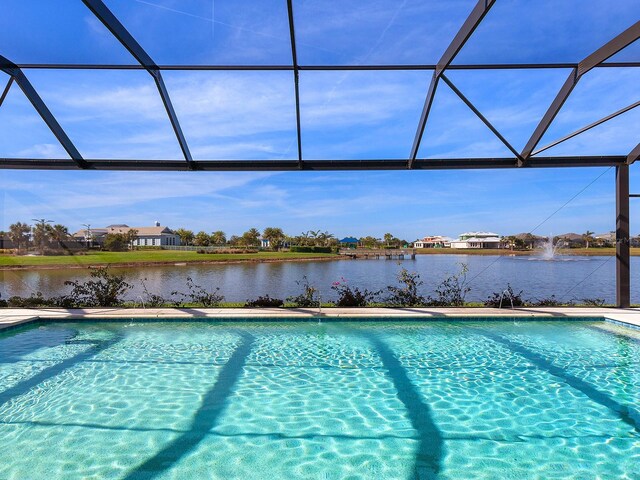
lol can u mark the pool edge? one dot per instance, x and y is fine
(14, 318)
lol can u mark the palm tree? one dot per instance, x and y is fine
(59, 234)
(19, 234)
(186, 236)
(324, 238)
(41, 233)
(251, 237)
(218, 238)
(201, 239)
(275, 236)
(304, 239)
(587, 237)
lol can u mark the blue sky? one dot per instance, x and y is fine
(345, 115)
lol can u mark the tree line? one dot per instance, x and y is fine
(42, 236)
(277, 239)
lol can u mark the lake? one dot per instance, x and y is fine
(567, 277)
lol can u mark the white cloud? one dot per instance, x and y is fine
(110, 190)
(43, 150)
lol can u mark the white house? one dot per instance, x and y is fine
(433, 241)
(477, 240)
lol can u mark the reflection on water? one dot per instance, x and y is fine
(239, 282)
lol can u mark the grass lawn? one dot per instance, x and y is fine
(151, 256)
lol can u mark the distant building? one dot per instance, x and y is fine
(156, 236)
(349, 242)
(605, 239)
(434, 241)
(5, 243)
(266, 243)
(91, 237)
(477, 240)
(570, 240)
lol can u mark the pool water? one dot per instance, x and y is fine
(336, 400)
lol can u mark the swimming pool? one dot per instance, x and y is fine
(331, 400)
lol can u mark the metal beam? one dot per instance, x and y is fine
(610, 48)
(588, 127)
(479, 115)
(118, 30)
(296, 78)
(25, 85)
(550, 114)
(293, 165)
(633, 155)
(478, 13)
(5, 92)
(100, 10)
(623, 277)
(404, 67)
(173, 118)
(422, 123)
(468, 27)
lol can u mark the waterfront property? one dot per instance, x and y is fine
(155, 236)
(477, 240)
(433, 241)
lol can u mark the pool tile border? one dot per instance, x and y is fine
(15, 318)
(622, 323)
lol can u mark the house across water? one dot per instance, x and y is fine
(433, 241)
(155, 236)
(477, 240)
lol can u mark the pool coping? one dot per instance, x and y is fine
(11, 318)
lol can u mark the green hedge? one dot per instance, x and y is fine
(300, 249)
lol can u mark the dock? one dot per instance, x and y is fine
(389, 254)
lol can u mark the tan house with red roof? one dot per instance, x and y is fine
(156, 236)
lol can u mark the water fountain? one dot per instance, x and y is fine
(549, 249)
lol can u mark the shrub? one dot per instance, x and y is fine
(227, 250)
(306, 298)
(308, 249)
(151, 299)
(407, 294)
(551, 301)
(265, 301)
(102, 290)
(348, 297)
(34, 301)
(593, 302)
(507, 297)
(453, 290)
(116, 242)
(199, 296)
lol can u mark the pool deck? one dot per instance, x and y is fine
(10, 318)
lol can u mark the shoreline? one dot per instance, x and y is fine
(180, 262)
(77, 266)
